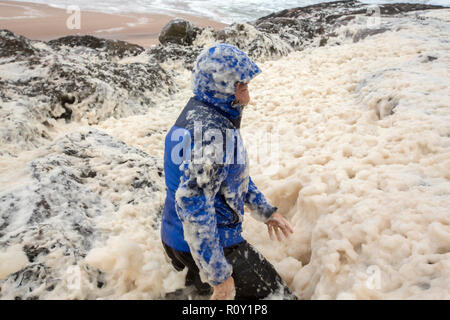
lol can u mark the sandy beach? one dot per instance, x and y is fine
(42, 22)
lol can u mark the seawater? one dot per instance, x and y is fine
(219, 10)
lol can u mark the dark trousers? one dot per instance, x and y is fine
(254, 276)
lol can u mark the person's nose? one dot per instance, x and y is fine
(243, 86)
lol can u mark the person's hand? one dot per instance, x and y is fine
(276, 223)
(224, 291)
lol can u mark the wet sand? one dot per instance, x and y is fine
(42, 22)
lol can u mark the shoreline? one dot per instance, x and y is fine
(43, 22)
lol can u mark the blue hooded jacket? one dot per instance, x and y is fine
(206, 166)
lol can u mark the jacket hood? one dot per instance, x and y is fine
(216, 71)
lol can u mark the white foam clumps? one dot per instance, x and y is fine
(137, 272)
(20, 71)
(368, 197)
(11, 260)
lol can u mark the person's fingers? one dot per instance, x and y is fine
(285, 225)
(284, 228)
(275, 224)
(269, 228)
(288, 226)
(277, 232)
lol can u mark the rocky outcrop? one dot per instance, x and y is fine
(72, 78)
(258, 44)
(280, 33)
(15, 46)
(300, 27)
(105, 48)
(179, 31)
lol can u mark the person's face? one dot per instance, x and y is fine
(242, 95)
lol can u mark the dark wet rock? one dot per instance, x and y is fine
(33, 251)
(88, 173)
(30, 279)
(179, 31)
(175, 52)
(65, 101)
(107, 47)
(13, 45)
(427, 58)
(396, 8)
(54, 212)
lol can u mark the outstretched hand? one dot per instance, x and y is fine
(276, 223)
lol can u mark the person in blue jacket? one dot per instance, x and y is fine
(208, 185)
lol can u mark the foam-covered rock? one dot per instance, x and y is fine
(73, 78)
(259, 45)
(315, 24)
(15, 46)
(280, 33)
(107, 47)
(187, 55)
(52, 214)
